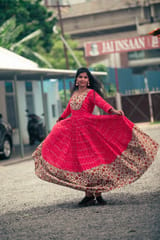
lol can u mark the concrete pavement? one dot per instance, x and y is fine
(38, 210)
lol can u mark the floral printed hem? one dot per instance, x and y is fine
(125, 169)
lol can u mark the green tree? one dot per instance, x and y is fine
(8, 35)
(108, 88)
(100, 68)
(102, 79)
(26, 27)
(61, 94)
(56, 55)
(32, 15)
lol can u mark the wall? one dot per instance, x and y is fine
(23, 119)
(53, 101)
(129, 82)
(52, 98)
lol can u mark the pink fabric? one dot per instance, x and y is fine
(84, 141)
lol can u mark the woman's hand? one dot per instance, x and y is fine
(59, 119)
(117, 112)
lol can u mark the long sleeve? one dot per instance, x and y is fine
(66, 112)
(101, 103)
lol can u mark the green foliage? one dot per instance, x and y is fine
(31, 14)
(62, 98)
(56, 56)
(100, 68)
(102, 79)
(9, 32)
(111, 91)
(108, 88)
(26, 27)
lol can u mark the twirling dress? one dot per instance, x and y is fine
(93, 153)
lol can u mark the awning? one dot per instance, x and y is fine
(40, 73)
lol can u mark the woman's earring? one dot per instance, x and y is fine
(88, 84)
(77, 84)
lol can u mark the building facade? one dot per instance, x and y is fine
(29, 96)
(102, 20)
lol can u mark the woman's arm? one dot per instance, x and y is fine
(66, 113)
(101, 103)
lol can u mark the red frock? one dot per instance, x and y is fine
(93, 153)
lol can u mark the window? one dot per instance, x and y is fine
(9, 87)
(30, 103)
(53, 110)
(11, 104)
(136, 55)
(11, 110)
(152, 53)
(28, 86)
(59, 104)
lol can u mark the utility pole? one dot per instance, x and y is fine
(62, 32)
(64, 47)
(58, 6)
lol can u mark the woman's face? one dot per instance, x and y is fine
(82, 80)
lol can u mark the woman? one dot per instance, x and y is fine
(92, 153)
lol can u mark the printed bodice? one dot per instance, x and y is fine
(77, 101)
(84, 104)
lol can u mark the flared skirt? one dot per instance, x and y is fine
(94, 153)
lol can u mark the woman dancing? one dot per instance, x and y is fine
(94, 154)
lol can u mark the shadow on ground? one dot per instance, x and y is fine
(125, 217)
(120, 199)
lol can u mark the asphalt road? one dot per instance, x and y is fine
(31, 209)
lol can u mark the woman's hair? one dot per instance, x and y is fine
(93, 82)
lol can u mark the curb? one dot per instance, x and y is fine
(14, 161)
